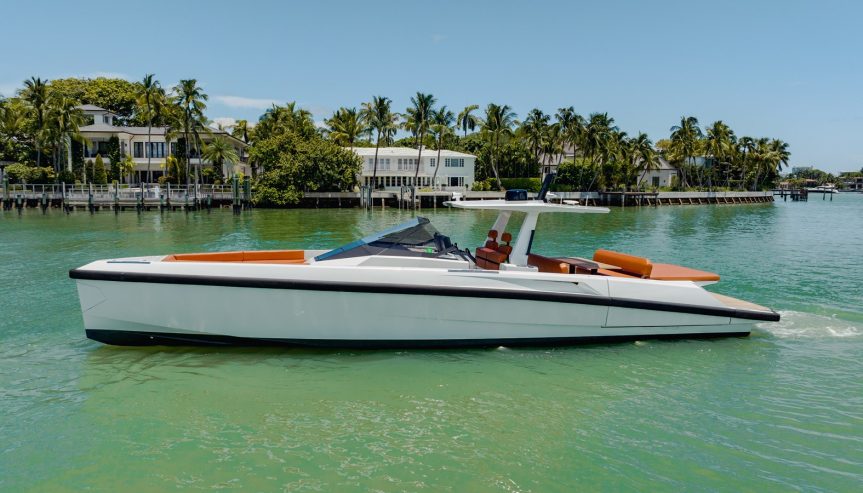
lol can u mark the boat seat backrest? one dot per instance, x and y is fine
(545, 264)
(505, 249)
(491, 242)
(488, 258)
(629, 264)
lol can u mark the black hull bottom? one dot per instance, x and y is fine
(127, 338)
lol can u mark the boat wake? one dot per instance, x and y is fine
(803, 325)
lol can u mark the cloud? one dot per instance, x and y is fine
(224, 121)
(243, 102)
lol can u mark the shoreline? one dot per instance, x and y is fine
(385, 199)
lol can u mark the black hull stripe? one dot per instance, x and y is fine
(126, 338)
(409, 289)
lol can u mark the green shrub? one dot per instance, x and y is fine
(529, 184)
(66, 176)
(21, 173)
(483, 185)
(100, 176)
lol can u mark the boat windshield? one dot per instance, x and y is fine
(414, 238)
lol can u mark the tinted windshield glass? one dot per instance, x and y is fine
(416, 237)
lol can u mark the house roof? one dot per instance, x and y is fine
(91, 107)
(406, 152)
(100, 127)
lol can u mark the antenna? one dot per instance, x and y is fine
(546, 184)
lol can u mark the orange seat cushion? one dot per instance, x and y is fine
(545, 264)
(206, 257)
(629, 264)
(260, 257)
(615, 273)
(274, 255)
(274, 262)
(505, 249)
(670, 272)
(490, 255)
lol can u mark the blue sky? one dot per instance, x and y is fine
(786, 69)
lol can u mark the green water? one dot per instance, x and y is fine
(781, 410)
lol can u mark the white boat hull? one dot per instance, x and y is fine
(141, 304)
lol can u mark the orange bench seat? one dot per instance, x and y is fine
(252, 256)
(642, 268)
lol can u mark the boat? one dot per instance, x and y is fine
(409, 286)
(828, 188)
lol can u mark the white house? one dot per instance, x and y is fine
(398, 165)
(660, 177)
(134, 142)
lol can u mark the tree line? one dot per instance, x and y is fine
(40, 128)
(589, 152)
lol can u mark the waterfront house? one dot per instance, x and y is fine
(398, 165)
(659, 177)
(102, 125)
(851, 182)
(549, 163)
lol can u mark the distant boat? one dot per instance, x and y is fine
(823, 189)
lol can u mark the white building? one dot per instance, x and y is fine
(134, 142)
(398, 165)
(660, 177)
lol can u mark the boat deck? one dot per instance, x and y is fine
(739, 304)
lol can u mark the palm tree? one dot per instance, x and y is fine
(719, 145)
(35, 93)
(419, 117)
(191, 99)
(150, 99)
(597, 141)
(346, 126)
(278, 119)
(571, 127)
(220, 151)
(126, 167)
(770, 155)
(241, 130)
(442, 121)
(379, 116)
(67, 119)
(747, 147)
(684, 142)
(496, 129)
(535, 130)
(553, 143)
(644, 157)
(468, 121)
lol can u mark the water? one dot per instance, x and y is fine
(781, 410)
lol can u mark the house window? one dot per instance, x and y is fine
(431, 162)
(454, 162)
(655, 181)
(106, 119)
(138, 149)
(155, 149)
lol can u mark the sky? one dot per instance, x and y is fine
(791, 70)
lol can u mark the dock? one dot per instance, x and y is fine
(118, 198)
